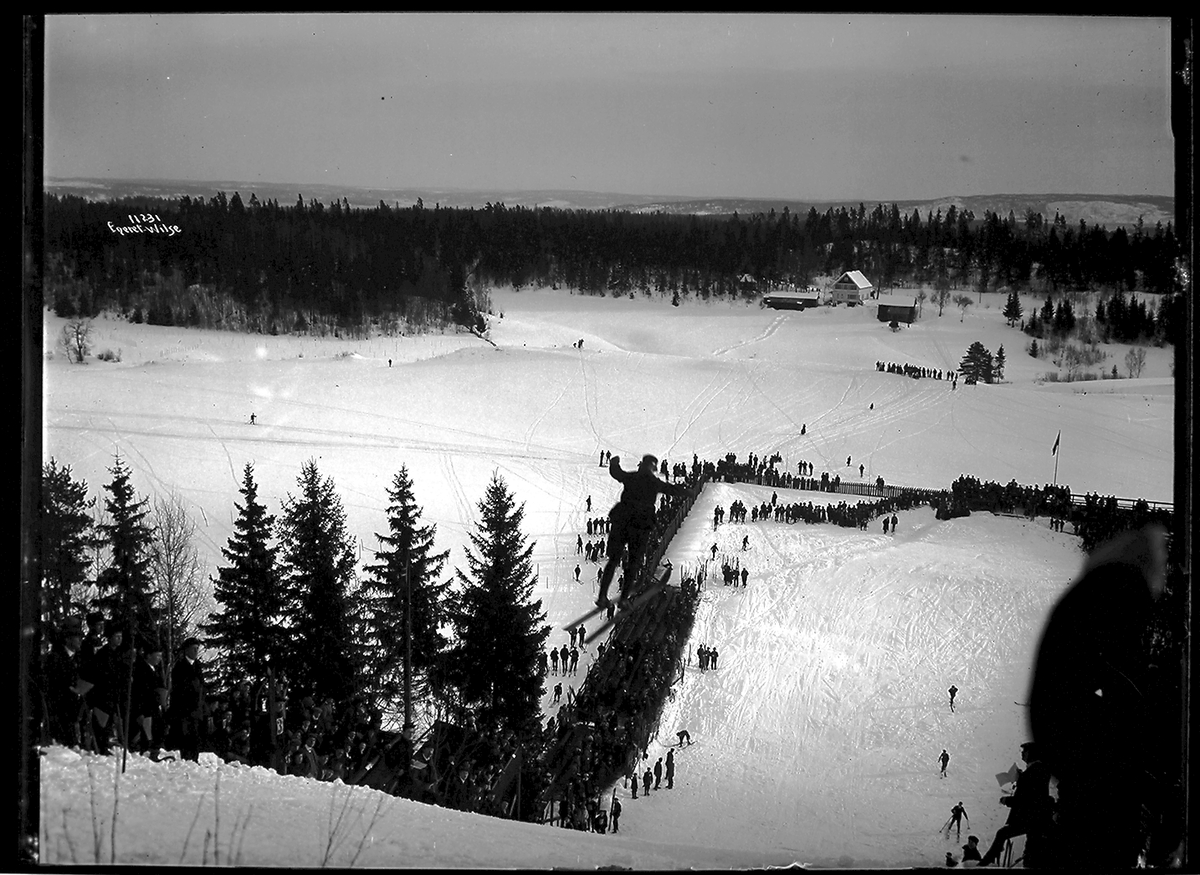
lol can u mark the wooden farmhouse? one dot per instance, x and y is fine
(851, 289)
(898, 308)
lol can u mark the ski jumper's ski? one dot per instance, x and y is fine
(591, 613)
(626, 605)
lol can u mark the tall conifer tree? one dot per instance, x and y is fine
(126, 587)
(405, 564)
(500, 632)
(1012, 308)
(67, 535)
(317, 564)
(977, 365)
(248, 590)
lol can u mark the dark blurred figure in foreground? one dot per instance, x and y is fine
(1097, 713)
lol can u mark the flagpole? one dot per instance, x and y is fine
(1054, 450)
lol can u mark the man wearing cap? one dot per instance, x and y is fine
(971, 849)
(1030, 804)
(187, 700)
(60, 684)
(632, 518)
(149, 696)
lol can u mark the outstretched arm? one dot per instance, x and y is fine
(614, 469)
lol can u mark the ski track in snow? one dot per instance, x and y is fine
(545, 411)
(759, 338)
(454, 487)
(816, 738)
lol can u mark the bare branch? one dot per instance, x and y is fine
(175, 565)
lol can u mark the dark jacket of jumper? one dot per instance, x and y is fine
(640, 489)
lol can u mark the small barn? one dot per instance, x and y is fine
(897, 308)
(851, 289)
(792, 300)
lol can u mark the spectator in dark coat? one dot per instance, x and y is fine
(60, 685)
(615, 815)
(670, 768)
(647, 777)
(107, 672)
(971, 850)
(1030, 804)
(94, 639)
(149, 696)
(658, 771)
(188, 707)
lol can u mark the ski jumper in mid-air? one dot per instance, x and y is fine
(632, 518)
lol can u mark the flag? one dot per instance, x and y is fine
(1008, 777)
(1054, 450)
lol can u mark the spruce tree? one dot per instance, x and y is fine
(317, 567)
(499, 631)
(126, 588)
(405, 564)
(998, 369)
(976, 366)
(1047, 312)
(1012, 308)
(248, 590)
(66, 537)
(1064, 317)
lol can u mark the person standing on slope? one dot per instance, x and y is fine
(953, 691)
(944, 759)
(631, 519)
(957, 813)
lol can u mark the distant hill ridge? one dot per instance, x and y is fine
(1110, 210)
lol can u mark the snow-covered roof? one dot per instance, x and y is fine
(896, 300)
(856, 277)
(804, 294)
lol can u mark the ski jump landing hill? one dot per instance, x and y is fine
(617, 711)
(614, 715)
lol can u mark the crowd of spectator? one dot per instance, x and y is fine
(917, 372)
(99, 690)
(1094, 519)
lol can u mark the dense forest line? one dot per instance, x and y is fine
(260, 266)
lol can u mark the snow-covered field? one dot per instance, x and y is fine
(816, 738)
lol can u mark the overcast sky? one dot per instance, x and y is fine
(876, 107)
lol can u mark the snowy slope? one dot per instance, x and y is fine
(816, 738)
